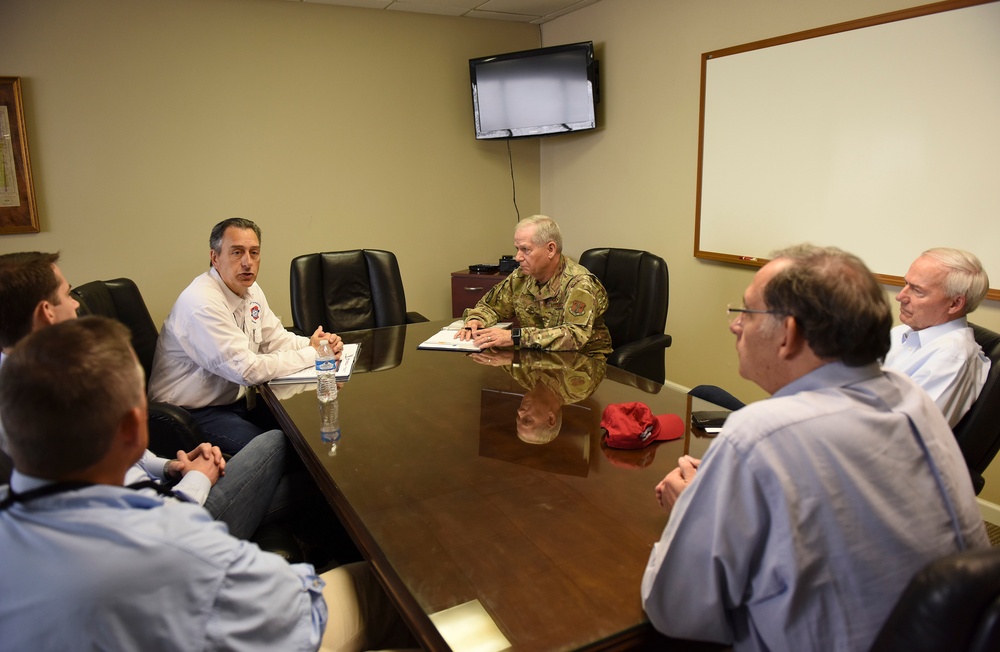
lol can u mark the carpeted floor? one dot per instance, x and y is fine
(993, 532)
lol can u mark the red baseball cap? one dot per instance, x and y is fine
(633, 425)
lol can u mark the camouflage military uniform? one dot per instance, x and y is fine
(564, 314)
(571, 376)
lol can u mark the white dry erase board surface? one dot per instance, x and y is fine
(880, 136)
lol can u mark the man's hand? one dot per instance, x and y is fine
(205, 458)
(488, 338)
(494, 358)
(336, 343)
(471, 328)
(670, 488)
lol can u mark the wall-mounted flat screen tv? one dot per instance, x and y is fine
(539, 92)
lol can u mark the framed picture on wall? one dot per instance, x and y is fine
(18, 211)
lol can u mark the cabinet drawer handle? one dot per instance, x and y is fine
(473, 289)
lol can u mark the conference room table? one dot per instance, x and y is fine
(483, 540)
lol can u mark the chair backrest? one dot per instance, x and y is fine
(978, 433)
(346, 291)
(120, 299)
(6, 468)
(638, 289)
(171, 428)
(381, 348)
(952, 604)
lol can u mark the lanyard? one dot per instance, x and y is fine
(73, 485)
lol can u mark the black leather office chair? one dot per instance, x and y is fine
(638, 295)
(952, 604)
(978, 433)
(171, 428)
(348, 291)
(6, 467)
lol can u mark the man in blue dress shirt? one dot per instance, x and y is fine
(92, 564)
(934, 345)
(812, 509)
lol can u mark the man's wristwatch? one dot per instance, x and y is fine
(167, 473)
(515, 336)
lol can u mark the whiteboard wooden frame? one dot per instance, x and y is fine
(889, 121)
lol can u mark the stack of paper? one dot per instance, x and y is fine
(308, 375)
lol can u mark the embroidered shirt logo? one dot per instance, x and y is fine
(255, 311)
(577, 308)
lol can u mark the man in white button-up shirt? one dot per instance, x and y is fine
(935, 345)
(240, 492)
(221, 337)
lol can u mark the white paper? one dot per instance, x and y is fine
(445, 340)
(308, 375)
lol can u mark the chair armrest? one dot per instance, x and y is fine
(171, 428)
(717, 395)
(415, 318)
(643, 357)
(978, 481)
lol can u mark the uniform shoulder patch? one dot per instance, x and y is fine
(577, 308)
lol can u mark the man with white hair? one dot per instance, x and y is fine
(935, 345)
(558, 303)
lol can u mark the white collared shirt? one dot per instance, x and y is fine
(945, 361)
(215, 343)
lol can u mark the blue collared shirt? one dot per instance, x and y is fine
(106, 567)
(809, 514)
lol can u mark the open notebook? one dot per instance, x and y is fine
(444, 339)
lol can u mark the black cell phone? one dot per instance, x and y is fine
(709, 418)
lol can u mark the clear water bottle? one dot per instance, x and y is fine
(326, 373)
(329, 424)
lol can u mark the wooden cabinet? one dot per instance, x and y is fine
(468, 288)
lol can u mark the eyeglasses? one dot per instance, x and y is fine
(736, 313)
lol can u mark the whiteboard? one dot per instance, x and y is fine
(880, 136)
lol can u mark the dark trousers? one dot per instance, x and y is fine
(231, 427)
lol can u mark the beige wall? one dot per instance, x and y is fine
(333, 128)
(337, 128)
(632, 184)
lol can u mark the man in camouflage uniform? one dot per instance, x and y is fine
(558, 303)
(553, 380)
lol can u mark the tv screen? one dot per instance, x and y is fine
(538, 92)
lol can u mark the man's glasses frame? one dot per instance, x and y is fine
(735, 313)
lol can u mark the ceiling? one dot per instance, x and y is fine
(520, 11)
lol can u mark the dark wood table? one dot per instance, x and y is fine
(451, 508)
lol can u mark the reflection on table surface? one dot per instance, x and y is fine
(453, 508)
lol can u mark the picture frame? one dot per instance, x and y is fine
(18, 210)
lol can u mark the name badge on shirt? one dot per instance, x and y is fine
(253, 311)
